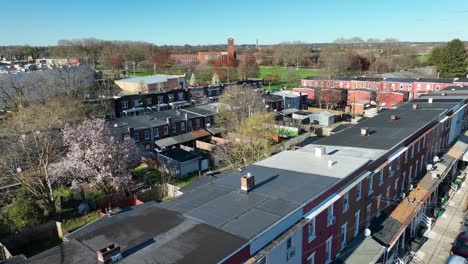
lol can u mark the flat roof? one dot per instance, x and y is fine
(290, 94)
(384, 133)
(155, 119)
(182, 138)
(436, 104)
(179, 155)
(149, 79)
(177, 239)
(283, 183)
(361, 250)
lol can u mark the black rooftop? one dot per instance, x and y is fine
(179, 155)
(461, 80)
(145, 239)
(372, 79)
(399, 80)
(435, 80)
(384, 133)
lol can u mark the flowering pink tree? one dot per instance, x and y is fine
(95, 158)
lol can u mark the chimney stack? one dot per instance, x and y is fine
(109, 254)
(247, 182)
(429, 100)
(393, 117)
(415, 106)
(444, 94)
(169, 120)
(364, 131)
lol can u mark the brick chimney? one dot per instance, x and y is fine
(393, 117)
(429, 100)
(247, 182)
(109, 254)
(130, 131)
(169, 120)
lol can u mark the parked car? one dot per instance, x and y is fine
(455, 259)
(460, 247)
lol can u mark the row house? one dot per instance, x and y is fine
(138, 104)
(314, 204)
(392, 98)
(147, 130)
(461, 82)
(310, 92)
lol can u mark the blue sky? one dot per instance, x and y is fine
(44, 22)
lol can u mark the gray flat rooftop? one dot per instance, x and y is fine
(144, 239)
(384, 133)
(283, 183)
(436, 104)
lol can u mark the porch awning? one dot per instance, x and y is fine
(361, 250)
(182, 138)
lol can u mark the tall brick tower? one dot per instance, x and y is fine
(231, 50)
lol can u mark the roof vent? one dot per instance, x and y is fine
(110, 254)
(443, 94)
(247, 182)
(320, 151)
(429, 100)
(364, 131)
(415, 106)
(393, 117)
(330, 163)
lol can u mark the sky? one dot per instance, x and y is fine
(194, 22)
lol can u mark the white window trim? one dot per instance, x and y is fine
(311, 258)
(379, 202)
(156, 132)
(147, 134)
(312, 236)
(328, 255)
(345, 205)
(371, 184)
(344, 235)
(166, 130)
(357, 223)
(359, 187)
(381, 177)
(330, 215)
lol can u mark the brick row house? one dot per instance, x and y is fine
(138, 104)
(316, 204)
(148, 129)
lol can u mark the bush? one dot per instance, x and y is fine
(24, 212)
(149, 176)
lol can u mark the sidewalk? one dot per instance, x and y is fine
(444, 232)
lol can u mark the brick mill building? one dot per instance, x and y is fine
(358, 196)
(204, 57)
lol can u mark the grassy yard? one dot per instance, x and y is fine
(187, 180)
(265, 70)
(423, 58)
(77, 222)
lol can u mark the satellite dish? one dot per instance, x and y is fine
(436, 159)
(410, 187)
(429, 167)
(367, 232)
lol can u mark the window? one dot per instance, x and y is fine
(416, 173)
(428, 87)
(171, 97)
(396, 186)
(387, 197)
(311, 226)
(180, 96)
(369, 211)
(358, 191)
(403, 182)
(345, 202)
(166, 130)
(124, 104)
(344, 229)
(197, 123)
(381, 178)
(419, 146)
(149, 101)
(311, 258)
(174, 128)
(136, 136)
(437, 87)
(422, 162)
(156, 132)
(136, 103)
(412, 151)
(410, 179)
(379, 199)
(357, 220)
(147, 134)
(401, 86)
(290, 251)
(410, 86)
(330, 216)
(398, 163)
(371, 184)
(190, 125)
(406, 156)
(160, 99)
(418, 87)
(182, 126)
(328, 250)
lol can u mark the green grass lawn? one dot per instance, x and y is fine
(77, 222)
(423, 58)
(187, 180)
(264, 70)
